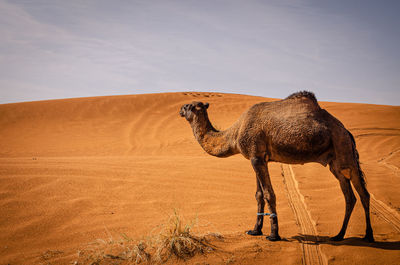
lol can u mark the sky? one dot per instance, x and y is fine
(344, 51)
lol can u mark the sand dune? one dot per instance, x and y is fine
(76, 170)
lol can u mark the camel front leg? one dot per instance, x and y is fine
(261, 169)
(260, 209)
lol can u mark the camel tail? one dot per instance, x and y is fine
(357, 158)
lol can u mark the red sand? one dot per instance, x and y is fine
(76, 170)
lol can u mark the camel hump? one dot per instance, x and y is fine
(304, 94)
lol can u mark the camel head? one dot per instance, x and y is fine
(189, 111)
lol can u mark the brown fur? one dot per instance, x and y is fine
(295, 130)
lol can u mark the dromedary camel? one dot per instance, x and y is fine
(295, 130)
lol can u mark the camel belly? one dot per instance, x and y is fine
(301, 158)
(300, 141)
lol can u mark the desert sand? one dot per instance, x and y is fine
(74, 171)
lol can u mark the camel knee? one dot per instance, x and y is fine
(270, 197)
(259, 196)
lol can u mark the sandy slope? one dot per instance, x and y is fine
(75, 170)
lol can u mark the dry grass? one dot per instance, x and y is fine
(123, 251)
(174, 239)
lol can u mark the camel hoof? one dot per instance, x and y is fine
(273, 238)
(369, 238)
(337, 238)
(254, 232)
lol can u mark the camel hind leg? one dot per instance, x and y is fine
(359, 184)
(347, 164)
(350, 200)
(355, 175)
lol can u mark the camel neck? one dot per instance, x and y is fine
(214, 142)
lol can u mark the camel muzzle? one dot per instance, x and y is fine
(182, 113)
(183, 110)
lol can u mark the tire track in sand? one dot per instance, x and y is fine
(385, 212)
(311, 251)
(389, 165)
(380, 208)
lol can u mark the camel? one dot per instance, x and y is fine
(295, 130)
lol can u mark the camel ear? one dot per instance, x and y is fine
(206, 105)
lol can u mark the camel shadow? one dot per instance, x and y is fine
(349, 241)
